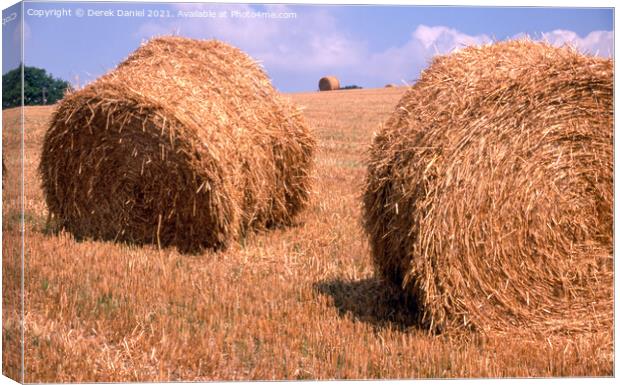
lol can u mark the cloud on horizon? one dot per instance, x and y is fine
(314, 44)
(598, 43)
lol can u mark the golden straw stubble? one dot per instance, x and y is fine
(185, 143)
(489, 191)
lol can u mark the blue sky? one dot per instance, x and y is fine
(11, 37)
(364, 45)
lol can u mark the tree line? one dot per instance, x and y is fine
(40, 88)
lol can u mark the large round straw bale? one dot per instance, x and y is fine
(185, 143)
(489, 191)
(329, 83)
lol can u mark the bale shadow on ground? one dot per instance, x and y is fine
(372, 301)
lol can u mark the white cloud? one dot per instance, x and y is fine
(314, 44)
(310, 41)
(402, 64)
(444, 39)
(17, 33)
(600, 43)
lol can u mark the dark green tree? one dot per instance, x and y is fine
(39, 87)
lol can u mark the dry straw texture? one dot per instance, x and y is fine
(185, 143)
(489, 191)
(329, 83)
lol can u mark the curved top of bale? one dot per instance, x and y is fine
(191, 135)
(489, 193)
(329, 83)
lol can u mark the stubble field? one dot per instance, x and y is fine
(295, 303)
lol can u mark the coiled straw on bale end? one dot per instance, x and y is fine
(489, 193)
(185, 143)
(329, 83)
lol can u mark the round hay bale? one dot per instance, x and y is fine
(489, 193)
(329, 83)
(185, 143)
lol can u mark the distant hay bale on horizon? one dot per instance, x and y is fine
(489, 192)
(185, 143)
(329, 83)
(390, 85)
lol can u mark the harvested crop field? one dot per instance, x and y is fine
(294, 303)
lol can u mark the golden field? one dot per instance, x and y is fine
(294, 303)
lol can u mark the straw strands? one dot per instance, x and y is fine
(185, 143)
(489, 193)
